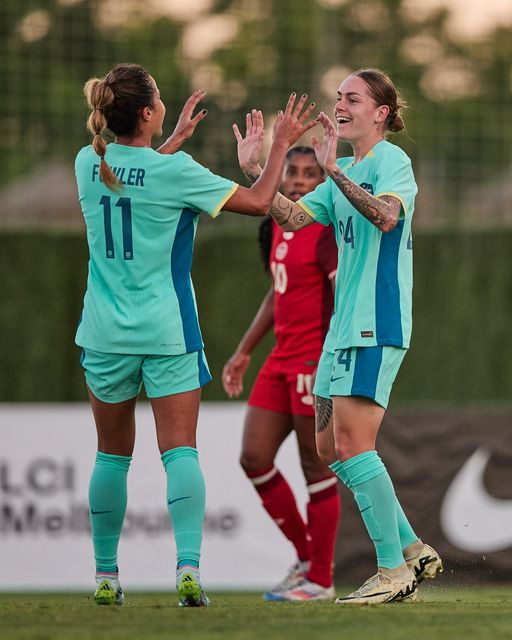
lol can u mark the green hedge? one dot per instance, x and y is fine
(462, 343)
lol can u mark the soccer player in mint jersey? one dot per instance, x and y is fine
(139, 323)
(369, 199)
(298, 307)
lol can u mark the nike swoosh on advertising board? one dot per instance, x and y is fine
(471, 518)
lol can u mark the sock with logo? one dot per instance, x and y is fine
(375, 497)
(405, 531)
(323, 511)
(185, 502)
(107, 507)
(279, 502)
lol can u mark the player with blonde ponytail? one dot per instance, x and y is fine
(139, 323)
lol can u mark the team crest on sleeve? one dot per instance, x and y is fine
(367, 187)
(281, 250)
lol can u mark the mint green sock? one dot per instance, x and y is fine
(185, 501)
(375, 497)
(337, 468)
(107, 505)
(405, 531)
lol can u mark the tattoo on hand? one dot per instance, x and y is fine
(323, 412)
(252, 177)
(299, 218)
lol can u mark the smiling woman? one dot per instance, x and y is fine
(369, 199)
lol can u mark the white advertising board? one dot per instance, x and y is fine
(46, 457)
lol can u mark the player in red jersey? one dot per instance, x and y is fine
(298, 307)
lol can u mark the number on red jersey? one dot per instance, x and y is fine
(280, 276)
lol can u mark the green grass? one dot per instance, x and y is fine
(443, 613)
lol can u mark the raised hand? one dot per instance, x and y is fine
(326, 150)
(291, 124)
(249, 147)
(233, 374)
(186, 124)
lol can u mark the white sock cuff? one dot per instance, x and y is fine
(316, 487)
(264, 478)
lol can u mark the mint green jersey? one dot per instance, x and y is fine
(140, 298)
(373, 300)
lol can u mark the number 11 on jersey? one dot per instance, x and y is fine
(125, 204)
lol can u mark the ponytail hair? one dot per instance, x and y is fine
(99, 95)
(116, 102)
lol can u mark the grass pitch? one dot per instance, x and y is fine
(442, 614)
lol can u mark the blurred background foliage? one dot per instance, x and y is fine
(246, 53)
(249, 53)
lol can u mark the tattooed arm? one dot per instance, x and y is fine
(288, 214)
(383, 212)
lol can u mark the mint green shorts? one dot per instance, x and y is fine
(359, 371)
(114, 377)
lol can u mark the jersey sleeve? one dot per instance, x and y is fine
(201, 189)
(327, 252)
(395, 178)
(318, 204)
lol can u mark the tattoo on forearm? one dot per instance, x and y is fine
(323, 413)
(299, 218)
(281, 209)
(382, 212)
(252, 177)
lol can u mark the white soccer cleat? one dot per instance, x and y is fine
(296, 573)
(381, 589)
(304, 591)
(108, 590)
(427, 564)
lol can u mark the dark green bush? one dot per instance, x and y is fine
(461, 345)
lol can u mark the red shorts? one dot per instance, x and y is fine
(284, 388)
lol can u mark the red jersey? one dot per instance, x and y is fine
(302, 264)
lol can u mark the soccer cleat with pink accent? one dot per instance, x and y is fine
(296, 573)
(305, 591)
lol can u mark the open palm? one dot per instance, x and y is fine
(249, 147)
(326, 150)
